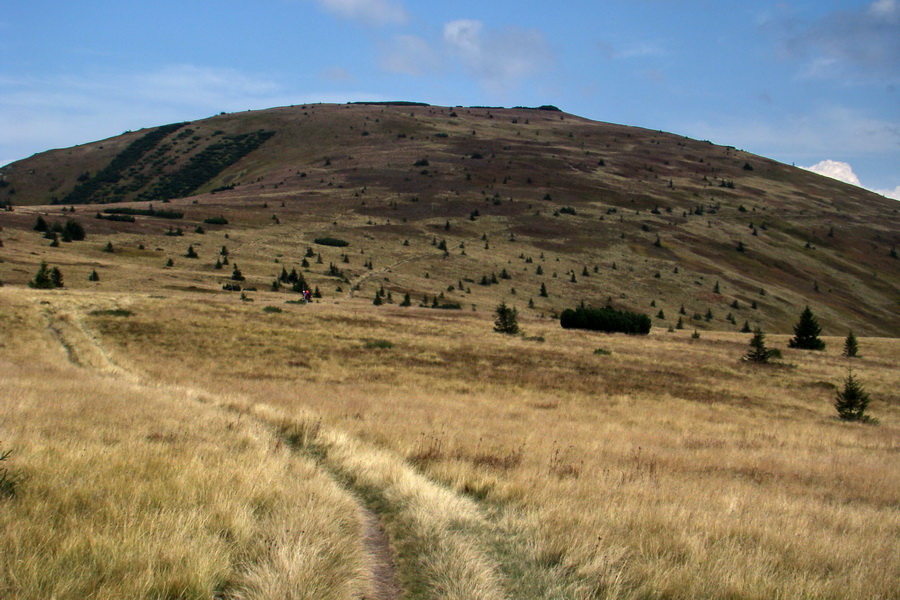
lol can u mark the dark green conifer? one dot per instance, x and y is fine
(851, 347)
(851, 403)
(806, 332)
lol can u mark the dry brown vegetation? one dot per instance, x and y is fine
(668, 468)
(173, 440)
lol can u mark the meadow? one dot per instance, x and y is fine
(182, 445)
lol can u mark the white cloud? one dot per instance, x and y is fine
(844, 172)
(375, 12)
(894, 193)
(409, 55)
(337, 75)
(836, 170)
(499, 59)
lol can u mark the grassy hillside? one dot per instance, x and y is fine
(181, 426)
(610, 213)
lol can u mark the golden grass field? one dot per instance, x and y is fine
(171, 440)
(200, 447)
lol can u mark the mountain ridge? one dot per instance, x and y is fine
(680, 217)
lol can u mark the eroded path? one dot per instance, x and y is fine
(84, 349)
(420, 538)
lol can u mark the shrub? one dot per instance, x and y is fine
(272, 309)
(9, 480)
(191, 253)
(603, 352)
(506, 319)
(220, 220)
(606, 319)
(111, 312)
(852, 401)
(330, 241)
(378, 344)
(806, 332)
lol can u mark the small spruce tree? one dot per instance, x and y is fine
(506, 321)
(806, 332)
(56, 277)
(94, 276)
(758, 352)
(41, 279)
(851, 403)
(851, 346)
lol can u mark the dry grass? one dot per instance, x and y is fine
(666, 469)
(141, 491)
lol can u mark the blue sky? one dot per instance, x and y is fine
(809, 82)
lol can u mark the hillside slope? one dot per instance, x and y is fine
(591, 211)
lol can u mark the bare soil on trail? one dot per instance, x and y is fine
(384, 569)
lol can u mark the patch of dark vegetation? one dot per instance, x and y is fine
(111, 312)
(391, 103)
(99, 188)
(605, 319)
(205, 165)
(330, 241)
(145, 212)
(117, 218)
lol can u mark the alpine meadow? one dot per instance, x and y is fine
(394, 350)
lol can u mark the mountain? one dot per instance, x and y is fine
(594, 212)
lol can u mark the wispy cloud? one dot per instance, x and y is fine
(37, 114)
(630, 50)
(371, 12)
(499, 58)
(862, 43)
(409, 55)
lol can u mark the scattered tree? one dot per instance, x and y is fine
(42, 279)
(852, 401)
(806, 332)
(506, 321)
(758, 352)
(851, 347)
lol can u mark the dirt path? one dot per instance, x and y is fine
(382, 564)
(83, 349)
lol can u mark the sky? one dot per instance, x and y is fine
(815, 83)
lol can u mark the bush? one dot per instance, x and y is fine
(330, 241)
(216, 221)
(272, 309)
(605, 319)
(378, 344)
(9, 480)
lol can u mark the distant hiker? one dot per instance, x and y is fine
(307, 295)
